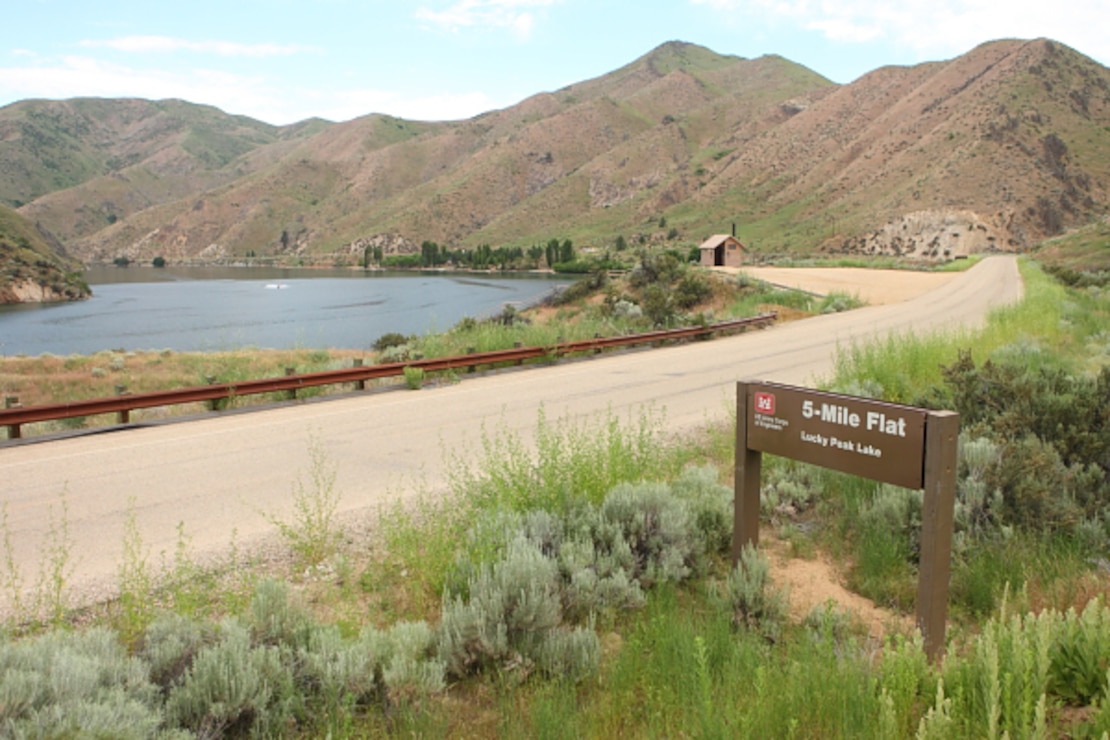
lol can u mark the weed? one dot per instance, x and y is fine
(314, 533)
(136, 580)
(414, 378)
(13, 583)
(189, 584)
(47, 598)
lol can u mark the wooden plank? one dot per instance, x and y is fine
(942, 430)
(746, 474)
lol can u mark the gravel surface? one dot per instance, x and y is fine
(873, 287)
(225, 477)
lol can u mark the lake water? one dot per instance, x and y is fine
(210, 309)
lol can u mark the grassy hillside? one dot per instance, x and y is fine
(30, 265)
(997, 149)
(1083, 250)
(78, 166)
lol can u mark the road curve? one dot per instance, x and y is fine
(221, 475)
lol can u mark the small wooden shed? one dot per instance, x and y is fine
(722, 250)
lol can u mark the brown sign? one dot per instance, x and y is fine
(871, 439)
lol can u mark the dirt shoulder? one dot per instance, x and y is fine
(875, 287)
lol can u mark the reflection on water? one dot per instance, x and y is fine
(218, 308)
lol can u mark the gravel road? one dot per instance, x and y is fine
(221, 475)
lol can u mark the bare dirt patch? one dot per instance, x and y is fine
(875, 287)
(816, 582)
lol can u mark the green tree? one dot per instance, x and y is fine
(158, 261)
(535, 252)
(566, 251)
(429, 254)
(658, 305)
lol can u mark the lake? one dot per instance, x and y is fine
(211, 309)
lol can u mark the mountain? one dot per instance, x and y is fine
(33, 268)
(997, 149)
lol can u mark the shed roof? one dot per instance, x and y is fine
(717, 240)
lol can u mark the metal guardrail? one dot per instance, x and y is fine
(14, 418)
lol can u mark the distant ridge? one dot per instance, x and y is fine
(33, 269)
(995, 150)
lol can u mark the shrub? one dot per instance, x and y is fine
(838, 302)
(343, 672)
(388, 340)
(658, 305)
(788, 489)
(398, 353)
(570, 654)
(753, 603)
(169, 645)
(692, 288)
(412, 672)
(657, 529)
(507, 611)
(1038, 491)
(79, 684)
(625, 309)
(597, 566)
(274, 618)
(233, 688)
(1013, 399)
(709, 505)
(978, 506)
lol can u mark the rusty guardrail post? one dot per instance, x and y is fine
(214, 404)
(12, 402)
(289, 373)
(359, 384)
(124, 414)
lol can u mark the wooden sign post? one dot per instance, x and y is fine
(901, 445)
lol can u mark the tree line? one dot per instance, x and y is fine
(554, 254)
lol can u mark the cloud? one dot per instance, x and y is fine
(74, 76)
(258, 97)
(517, 16)
(149, 44)
(934, 27)
(348, 104)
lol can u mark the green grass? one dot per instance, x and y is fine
(902, 366)
(1087, 248)
(681, 665)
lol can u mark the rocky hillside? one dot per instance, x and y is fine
(995, 150)
(34, 268)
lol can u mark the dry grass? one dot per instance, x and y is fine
(49, 379)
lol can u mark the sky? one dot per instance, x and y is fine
(282, 61)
